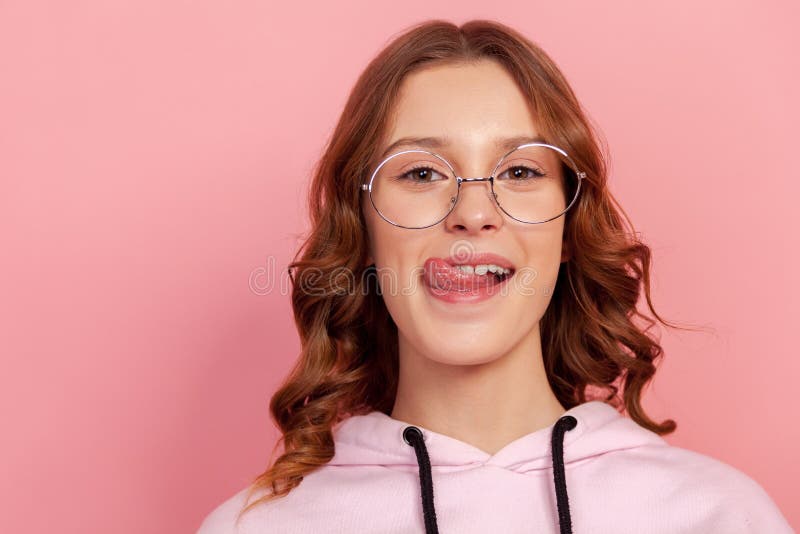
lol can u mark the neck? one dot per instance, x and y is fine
(487, 405)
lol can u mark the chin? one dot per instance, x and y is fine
(465, 351)
(462, 359)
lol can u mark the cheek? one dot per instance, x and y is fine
(542, 262)
(395, 252)
(382, 236)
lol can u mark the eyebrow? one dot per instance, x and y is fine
(506, 143)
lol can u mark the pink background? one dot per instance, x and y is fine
(154, 157)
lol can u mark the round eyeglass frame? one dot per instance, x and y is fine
(459, 180)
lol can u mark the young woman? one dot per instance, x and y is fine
(466, 305)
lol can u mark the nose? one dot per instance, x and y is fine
(475, 209)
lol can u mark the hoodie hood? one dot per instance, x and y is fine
(582, 432)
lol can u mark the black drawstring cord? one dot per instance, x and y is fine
(413, 436)
(557, 443)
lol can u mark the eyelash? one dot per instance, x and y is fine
(536, 172)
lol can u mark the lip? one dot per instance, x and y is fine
(479, 292)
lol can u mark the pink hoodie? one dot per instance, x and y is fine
(592, 472)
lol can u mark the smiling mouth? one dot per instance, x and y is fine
(443, 276)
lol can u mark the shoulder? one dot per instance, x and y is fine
(222, 519)
(279, 514)
(735, 502)
(718, 496)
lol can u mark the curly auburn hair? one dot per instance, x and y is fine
(348, 363)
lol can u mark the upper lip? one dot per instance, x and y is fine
(481, 258)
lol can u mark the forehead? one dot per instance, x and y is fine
(471, 106)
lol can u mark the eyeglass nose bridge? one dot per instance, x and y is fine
(460, 180)
(490, 179)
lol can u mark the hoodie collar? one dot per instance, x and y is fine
(376, 439)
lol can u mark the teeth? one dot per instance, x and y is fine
(483, 269)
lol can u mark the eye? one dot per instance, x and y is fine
(522, 173)
(422, 174)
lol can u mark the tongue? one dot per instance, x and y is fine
(441, 275)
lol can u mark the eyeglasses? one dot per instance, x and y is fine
(417, 189)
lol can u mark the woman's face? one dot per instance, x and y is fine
(472, 106)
